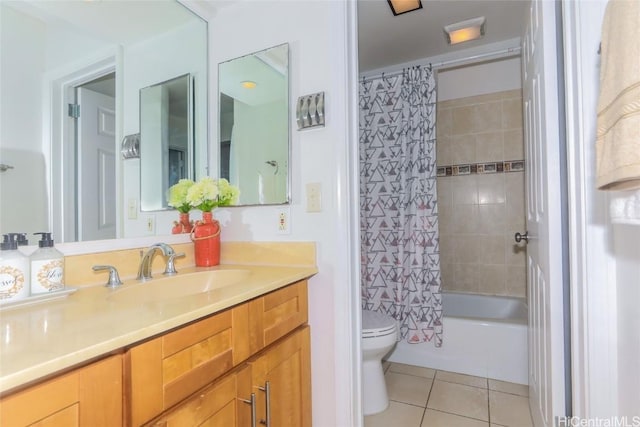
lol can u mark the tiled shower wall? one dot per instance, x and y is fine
(479, 213)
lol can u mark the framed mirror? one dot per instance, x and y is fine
(166, 139)
(254, 125)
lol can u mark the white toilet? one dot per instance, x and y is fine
(379, 334)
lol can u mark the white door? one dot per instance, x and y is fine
(96, 132)
(544, 250)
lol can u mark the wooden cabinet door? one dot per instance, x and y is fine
(166, 370)
(285, 371)
(226, 403)
(277, 313)
(87, 396)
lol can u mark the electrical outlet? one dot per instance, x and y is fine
(284, 215)
(314, 197)
(132, 209)
(151, 224)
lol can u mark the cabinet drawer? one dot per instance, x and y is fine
(221, 404)
(87, 396)
(170, 368)
(275, 314)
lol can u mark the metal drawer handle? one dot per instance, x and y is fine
(252, 402)
(267, 392)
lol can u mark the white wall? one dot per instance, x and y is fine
(22, 64)
(66, 44)
(626, 249)
(316, 33)
(481, 79)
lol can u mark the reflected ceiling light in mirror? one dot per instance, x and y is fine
(248, 84)
(465, 31)
(399, 7)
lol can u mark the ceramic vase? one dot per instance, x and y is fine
(206, 240)
(184, 225)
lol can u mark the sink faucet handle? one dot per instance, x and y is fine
(114, 279)
(171, 266)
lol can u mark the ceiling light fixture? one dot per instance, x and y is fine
(248, 84)
(464, 31)
(399, 7)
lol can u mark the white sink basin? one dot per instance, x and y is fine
(180, 285)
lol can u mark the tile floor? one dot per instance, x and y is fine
(422, 397)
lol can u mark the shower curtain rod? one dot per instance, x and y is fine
(503, 53)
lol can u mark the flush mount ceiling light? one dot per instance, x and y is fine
(464, 31)
(399, 7)
(248, 84)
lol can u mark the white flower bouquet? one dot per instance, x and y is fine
(209, 193)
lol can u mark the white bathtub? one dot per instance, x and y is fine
(482, 335)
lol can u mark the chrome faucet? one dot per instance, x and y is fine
(144, 271)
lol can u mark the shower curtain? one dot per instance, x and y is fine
(400, 266)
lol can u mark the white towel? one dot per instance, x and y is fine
(625, 207)
(618, 131)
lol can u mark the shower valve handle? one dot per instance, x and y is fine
(520, 237)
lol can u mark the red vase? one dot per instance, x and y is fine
(206, 240)
(182, 226)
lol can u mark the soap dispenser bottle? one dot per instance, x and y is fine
(23, 243)
(47, 267)
(14, 271)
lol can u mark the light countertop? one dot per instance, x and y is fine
(42, 339)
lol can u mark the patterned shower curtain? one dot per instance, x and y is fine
(400, 267)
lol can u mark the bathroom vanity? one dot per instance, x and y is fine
(237, 355)
(172, 367)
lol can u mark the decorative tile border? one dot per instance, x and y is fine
(481, 168)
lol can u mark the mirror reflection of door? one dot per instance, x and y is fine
(226, 126)
(177, 165)
(95, 202)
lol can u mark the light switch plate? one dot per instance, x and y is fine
(132, 209)
(314, 197)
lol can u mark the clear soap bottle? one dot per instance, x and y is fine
(23, 243)
(47, 267)
(14, 271)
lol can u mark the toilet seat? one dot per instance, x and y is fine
(376, 324)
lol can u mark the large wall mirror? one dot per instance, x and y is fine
(254, 125)
(71, 76)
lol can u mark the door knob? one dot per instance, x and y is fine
(520, 237)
